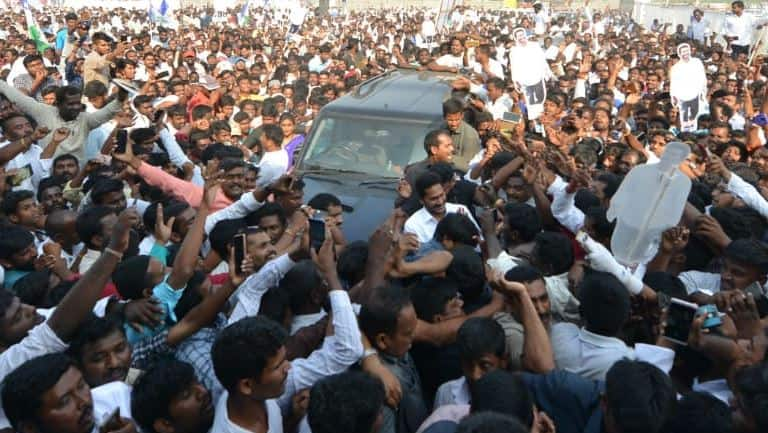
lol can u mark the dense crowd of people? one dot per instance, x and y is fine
(158, 273)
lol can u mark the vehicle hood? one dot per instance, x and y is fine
(365, 207)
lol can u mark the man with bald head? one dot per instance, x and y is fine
(60, 228)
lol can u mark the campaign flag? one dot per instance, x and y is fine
(244, 17)
(34, 30)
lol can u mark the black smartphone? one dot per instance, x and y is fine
(316, 233)
(122, 139)
(162, 75)
(239, 246)
(680, 315)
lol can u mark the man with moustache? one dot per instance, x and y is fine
(68, 112)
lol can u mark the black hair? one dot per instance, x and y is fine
(95, 88)
(426, 181)
(130, 277)
(32, 288)
(553, 250)
(156, 388)
(466, 269)
(49, 182)
(452, 106)
(103, 187)
(444, 170)
(458, 228)
(351, 262)
(201, 111)
(502, 392)
(91, 331)
(221, 152)
(430, 296)
(242, 349)
(268, 209)
(88, 223)
(273, 133)
(639, 396)
(222, 234)
(62, 93)
(323, 200)
(700, 411)
(611, 182)
(275, 305)
(605, 303)
(191, 296)
(490, 422)
(23, 388)
(431, 139)
(299, 282)
(14, 239)
(751, 385)
(599, 218)
(171, 209)
(750, 252)
(479, 336)
(64, 157)
(33, 58)
(381, 311)
(523, 219)
(12, 199)
(362, 396)
(664, 282)
(523, 274)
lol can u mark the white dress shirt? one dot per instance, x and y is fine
(453, 392)
(248, 295)
(500, 106)
(222, 423)
(41, 340)
(30, 159)
(423, 224)
(272, 165)
(591, 355)
(741, 27)
(451, 61)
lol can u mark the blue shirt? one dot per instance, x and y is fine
(61, 39)
(572, 401)
(168, 297)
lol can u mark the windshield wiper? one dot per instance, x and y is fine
(380, 181)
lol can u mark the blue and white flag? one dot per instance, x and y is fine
(244, 17)
(161, 14)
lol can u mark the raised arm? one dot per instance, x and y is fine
(537, 348)
(79, 302)
(186, 258)
(37, 110)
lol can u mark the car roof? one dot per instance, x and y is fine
(398, 93)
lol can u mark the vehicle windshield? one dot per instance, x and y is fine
(378, 147)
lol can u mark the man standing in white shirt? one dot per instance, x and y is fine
(485, 66)
(274, 163)
(499, 103)
(424, 221)
(453, 61)
(738, 29)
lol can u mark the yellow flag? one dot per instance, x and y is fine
(510, 4)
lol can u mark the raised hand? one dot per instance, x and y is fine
(127, 219)
(60, 134)
(163, 229)
(39, 133)
(675, 239)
